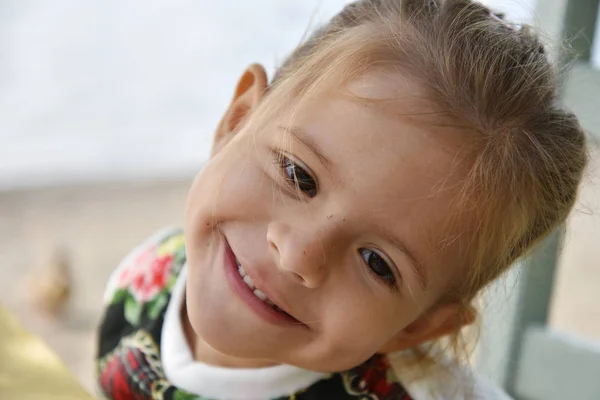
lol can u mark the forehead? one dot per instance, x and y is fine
(390, 165)
(385, 134)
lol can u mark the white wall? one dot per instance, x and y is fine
(117, 88)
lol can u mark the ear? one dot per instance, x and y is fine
(440, 321)
(248, 93)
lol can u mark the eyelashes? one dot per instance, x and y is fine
(297, 176)
(379, 267)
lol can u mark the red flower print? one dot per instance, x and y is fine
(147, 275)
(114, 379)
(146, 285)
(371, 380)
(133, 371)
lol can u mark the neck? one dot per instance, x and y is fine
(202, 352)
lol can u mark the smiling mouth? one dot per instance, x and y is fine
(257, 292)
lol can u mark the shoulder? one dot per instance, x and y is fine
(139, 292)
(149, 265)
(446, 381)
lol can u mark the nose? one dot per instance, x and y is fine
(301, 252)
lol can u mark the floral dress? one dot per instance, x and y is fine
(129, 355)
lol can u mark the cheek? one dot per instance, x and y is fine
(363, 325)
(231, 186)
(232, 190)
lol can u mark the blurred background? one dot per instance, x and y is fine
(107, 110)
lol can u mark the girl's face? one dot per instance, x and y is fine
(325, 276)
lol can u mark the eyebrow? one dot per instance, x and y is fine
(417, 266)
(304, 138)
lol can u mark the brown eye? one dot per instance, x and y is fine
(379, 267)
(299, 177)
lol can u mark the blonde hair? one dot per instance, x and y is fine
(524, 154)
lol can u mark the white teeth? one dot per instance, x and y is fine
(249, 282)
(260, 295)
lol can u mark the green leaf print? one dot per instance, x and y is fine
(157, 305)
(119, 295)
(391, 376)
(181, 395)
(180, 255)
(133, 311)
(171, 281)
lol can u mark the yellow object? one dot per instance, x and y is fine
(29, 370)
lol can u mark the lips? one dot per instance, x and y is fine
(257, 292)
(255, 297)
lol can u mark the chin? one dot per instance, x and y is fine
(240, 340)
(238, 343)
(222, 327)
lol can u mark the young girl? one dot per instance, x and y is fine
(400, 160)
